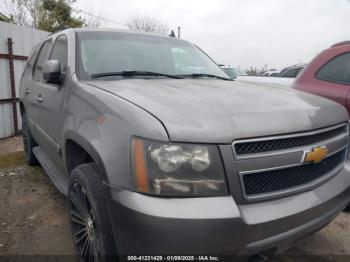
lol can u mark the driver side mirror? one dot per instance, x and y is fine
(52, 72)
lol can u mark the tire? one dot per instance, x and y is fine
(28, 143)
(347, 209)
(90, 222)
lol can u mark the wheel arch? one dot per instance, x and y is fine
(83, 152)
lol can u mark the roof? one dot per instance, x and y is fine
(341, 44)
(89, 29)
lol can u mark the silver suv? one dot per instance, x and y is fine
(160, 152)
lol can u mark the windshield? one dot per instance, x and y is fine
(231, 72)
(105, 52)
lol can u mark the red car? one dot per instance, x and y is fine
(328, 74)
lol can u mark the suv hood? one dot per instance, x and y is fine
(218, 111)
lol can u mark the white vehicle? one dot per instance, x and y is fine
(272, 73)
(292, 71)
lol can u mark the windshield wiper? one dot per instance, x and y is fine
(133, 73)
(196, 75)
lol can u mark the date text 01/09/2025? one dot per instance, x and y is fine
(173, 258)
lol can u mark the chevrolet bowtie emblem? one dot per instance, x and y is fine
(316, 154)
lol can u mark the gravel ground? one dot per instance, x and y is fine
(34, 216)
(11, 145)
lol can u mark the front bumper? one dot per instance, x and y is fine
(218, 226)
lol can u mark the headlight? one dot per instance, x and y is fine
(170, 169)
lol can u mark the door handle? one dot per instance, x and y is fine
(27, 91)
(39, 99)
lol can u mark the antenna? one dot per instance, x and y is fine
(172, 34)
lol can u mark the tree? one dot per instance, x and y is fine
(92, 20)
(21, 12)
(253, 71)
(48, 15)
(54, 15)
(147, 24)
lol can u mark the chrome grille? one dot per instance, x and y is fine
(275, 166)
(283, 143)
(270, 181)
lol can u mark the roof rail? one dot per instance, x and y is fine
(341, 43)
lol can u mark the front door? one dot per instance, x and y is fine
(50, 119)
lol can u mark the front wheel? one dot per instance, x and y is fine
(90, 224)
(347, 209)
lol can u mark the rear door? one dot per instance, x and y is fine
(31, 88)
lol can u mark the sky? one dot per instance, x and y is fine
(243, 33)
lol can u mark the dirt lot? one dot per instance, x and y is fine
(33, 214)
(34, 217)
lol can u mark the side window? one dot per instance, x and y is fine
(291, 73)
(30, 61)
(38, 68)
(298, 71)
(59, 52)
(337, 70)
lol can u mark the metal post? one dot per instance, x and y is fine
(13, 87)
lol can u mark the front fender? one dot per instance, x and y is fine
(104, 124)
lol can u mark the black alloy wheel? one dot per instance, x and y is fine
(85, 232)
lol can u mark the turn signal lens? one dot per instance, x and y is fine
(140, 166)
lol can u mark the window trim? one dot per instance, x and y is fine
(325, 64)
(80, 75)
(53, 45)
(37, 57)
(298, 69)
(293, 70)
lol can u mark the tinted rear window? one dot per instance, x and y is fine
(292, 72)
(337, 70)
